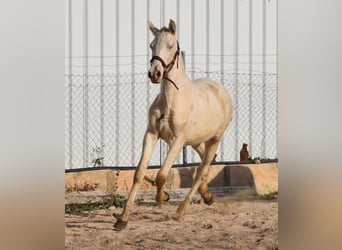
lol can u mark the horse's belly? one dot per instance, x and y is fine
(198, 137)
(206, 126)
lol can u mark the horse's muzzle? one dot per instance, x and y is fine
(155, 75)
(156, 71)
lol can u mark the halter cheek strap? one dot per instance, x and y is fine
(168, 67)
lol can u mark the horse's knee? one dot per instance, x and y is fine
(161, 179)
(204, 179)
(138, 177)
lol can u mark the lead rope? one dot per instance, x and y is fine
(169, 68)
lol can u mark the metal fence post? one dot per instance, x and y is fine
(162, 12)
(148, 86)
(236, 80)
(101, 77)
(133, 84)
(70, 99)
(185, 157)
(250, 94)
(263, 142)
(276, 117)
(222, 63)
(192, 51)
(85, 88)
(207, 37)
(117, 89)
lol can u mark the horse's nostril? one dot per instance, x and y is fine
(149, 74)
(158, 73)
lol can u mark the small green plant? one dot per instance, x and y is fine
(117, 201)
(98, 156)
(112, 182)
(85, 187)
(150, 180)
(195, 201)
(139, 201)
(270, 196)
(76, 208)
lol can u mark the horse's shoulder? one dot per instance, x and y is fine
(154, 109)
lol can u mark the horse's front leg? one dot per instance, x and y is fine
(150, 140)
(164, 171)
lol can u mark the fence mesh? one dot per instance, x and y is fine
(106, 117)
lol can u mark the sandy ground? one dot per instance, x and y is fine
(226, 224)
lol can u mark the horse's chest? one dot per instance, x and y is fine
(165, 130)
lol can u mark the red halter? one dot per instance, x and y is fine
(168, 67)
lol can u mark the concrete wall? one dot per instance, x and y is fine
(263, 178)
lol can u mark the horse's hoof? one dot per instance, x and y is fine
(160, 199)
(116, 215)
(119, 225)
(177, 217)
(168, 196)
(209, 200)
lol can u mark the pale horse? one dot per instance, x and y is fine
(185, 112)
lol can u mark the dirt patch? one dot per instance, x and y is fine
(227, 224)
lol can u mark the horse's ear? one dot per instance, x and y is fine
(153, 28)
(172, 26)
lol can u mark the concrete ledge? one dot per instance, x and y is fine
(263, 178)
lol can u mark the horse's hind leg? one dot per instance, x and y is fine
(200, 148)
(202, 177)
(203, 189)
(207, 197)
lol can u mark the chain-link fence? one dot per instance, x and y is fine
(106, 117)
(234, 42)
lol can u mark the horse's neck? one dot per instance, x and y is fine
(168, 92)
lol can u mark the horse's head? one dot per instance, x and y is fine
(165, 51)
